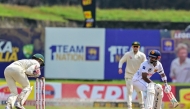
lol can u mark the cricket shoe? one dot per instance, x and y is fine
(141, 106)
(129, 107)
(18, 105)
(8, 106)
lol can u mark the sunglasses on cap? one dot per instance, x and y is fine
(135, 46)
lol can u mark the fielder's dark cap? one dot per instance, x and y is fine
(136, 43)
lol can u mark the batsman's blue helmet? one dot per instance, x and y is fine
(155, 54)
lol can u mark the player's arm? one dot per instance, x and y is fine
(162, 74)
(33, 70)
(168, 88)
(144, 70)
(164, 79)
(145, 77)
(121, 61)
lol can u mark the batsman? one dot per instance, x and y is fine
(141, 79)
(19, 71)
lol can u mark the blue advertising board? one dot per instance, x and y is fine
(118, 41)
(111, 45)
(167, 45)
(16, 44)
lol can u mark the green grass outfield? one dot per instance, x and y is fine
(50, 107)
(63, 13)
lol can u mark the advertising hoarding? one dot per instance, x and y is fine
(118, 42)
(101, 91)
(74, 53)
(18, 44)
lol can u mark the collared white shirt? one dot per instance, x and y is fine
(180, 71)
(147, 67)
(133, 62)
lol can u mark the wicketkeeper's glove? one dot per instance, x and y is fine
(37, 72)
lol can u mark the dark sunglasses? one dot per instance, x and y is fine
(135, 46)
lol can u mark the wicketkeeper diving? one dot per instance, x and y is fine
(19, 71)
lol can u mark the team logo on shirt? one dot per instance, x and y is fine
(143, 67)
(155, 70)
(150, 69)
(152, 52)
(130, 57)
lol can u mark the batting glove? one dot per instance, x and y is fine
(167, 88)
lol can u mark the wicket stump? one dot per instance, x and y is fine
(40, 93)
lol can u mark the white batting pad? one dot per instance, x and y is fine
(150, 96)
(158, 97)
(11, 100)
(24, 95)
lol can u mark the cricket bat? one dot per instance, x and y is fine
(172, 99)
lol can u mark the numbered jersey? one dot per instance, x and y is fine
(147, 67)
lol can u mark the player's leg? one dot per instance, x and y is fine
(158, 97)
(140, 86)
(140, 97)
(22, 79)
(129, 86)
(13, 90)
(22, 97)
(150, 96)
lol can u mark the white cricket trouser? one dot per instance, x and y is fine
(130, 86)
(140, 85)
(14, 73)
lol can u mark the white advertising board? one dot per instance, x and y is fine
(74, 53)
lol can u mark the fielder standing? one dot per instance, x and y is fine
(133, 60)
(19, 71)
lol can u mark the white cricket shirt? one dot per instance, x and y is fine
(133, 62)
(147, 67)
(28, 65)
